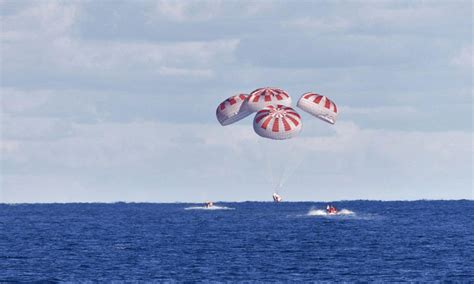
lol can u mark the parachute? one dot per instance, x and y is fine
(232, 109)
(263, 97)
(274, 104)
(275, 119)
(318, 106)
(277, 122)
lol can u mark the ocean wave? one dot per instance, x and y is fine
(215, 207)
(319, 212)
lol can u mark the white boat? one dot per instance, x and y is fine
(277, 198)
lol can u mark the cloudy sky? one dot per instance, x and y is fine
(115, 100)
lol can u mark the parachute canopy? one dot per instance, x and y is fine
(319, 106)
(263, 97)
(232, 109)
(277, 122)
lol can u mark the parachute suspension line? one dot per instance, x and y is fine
(275, 155)
(289, 167)
(284, 174)
(294, 161)
(284, 156)
(277, 185)
(269, 175)
(294, 164)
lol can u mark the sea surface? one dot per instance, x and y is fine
(256, 241)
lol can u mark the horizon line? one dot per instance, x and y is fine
(223, 201)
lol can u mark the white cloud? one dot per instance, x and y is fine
(187, 11)
(313, 25)
(110, 144)
(34, 128)
(186, 72)
(76, 56)
(41, 20)
(208, 155)
(42, 37)
(7, 146)
(18, 106)
(45, 188)
(384, 19)
(418, 15)
(87, 99)
(464, 57)
(202, 11)
(112, 55)
(384, 110)
(17, 101)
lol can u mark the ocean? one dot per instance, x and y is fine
(248, 241)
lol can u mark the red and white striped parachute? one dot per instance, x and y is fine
(232, 109)
(275, 119)
(277, 122)
(263, 97)
(319, 106)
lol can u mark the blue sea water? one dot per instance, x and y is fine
(262, 241)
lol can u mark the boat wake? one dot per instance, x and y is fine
(215, 207)
(319, 212)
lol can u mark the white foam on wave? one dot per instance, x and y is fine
(345, 212)
(319, 212)
(215, 207)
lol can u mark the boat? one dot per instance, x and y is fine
(331, 210)
(276, 197)
(209, 204)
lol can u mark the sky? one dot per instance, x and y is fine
(105, 101)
